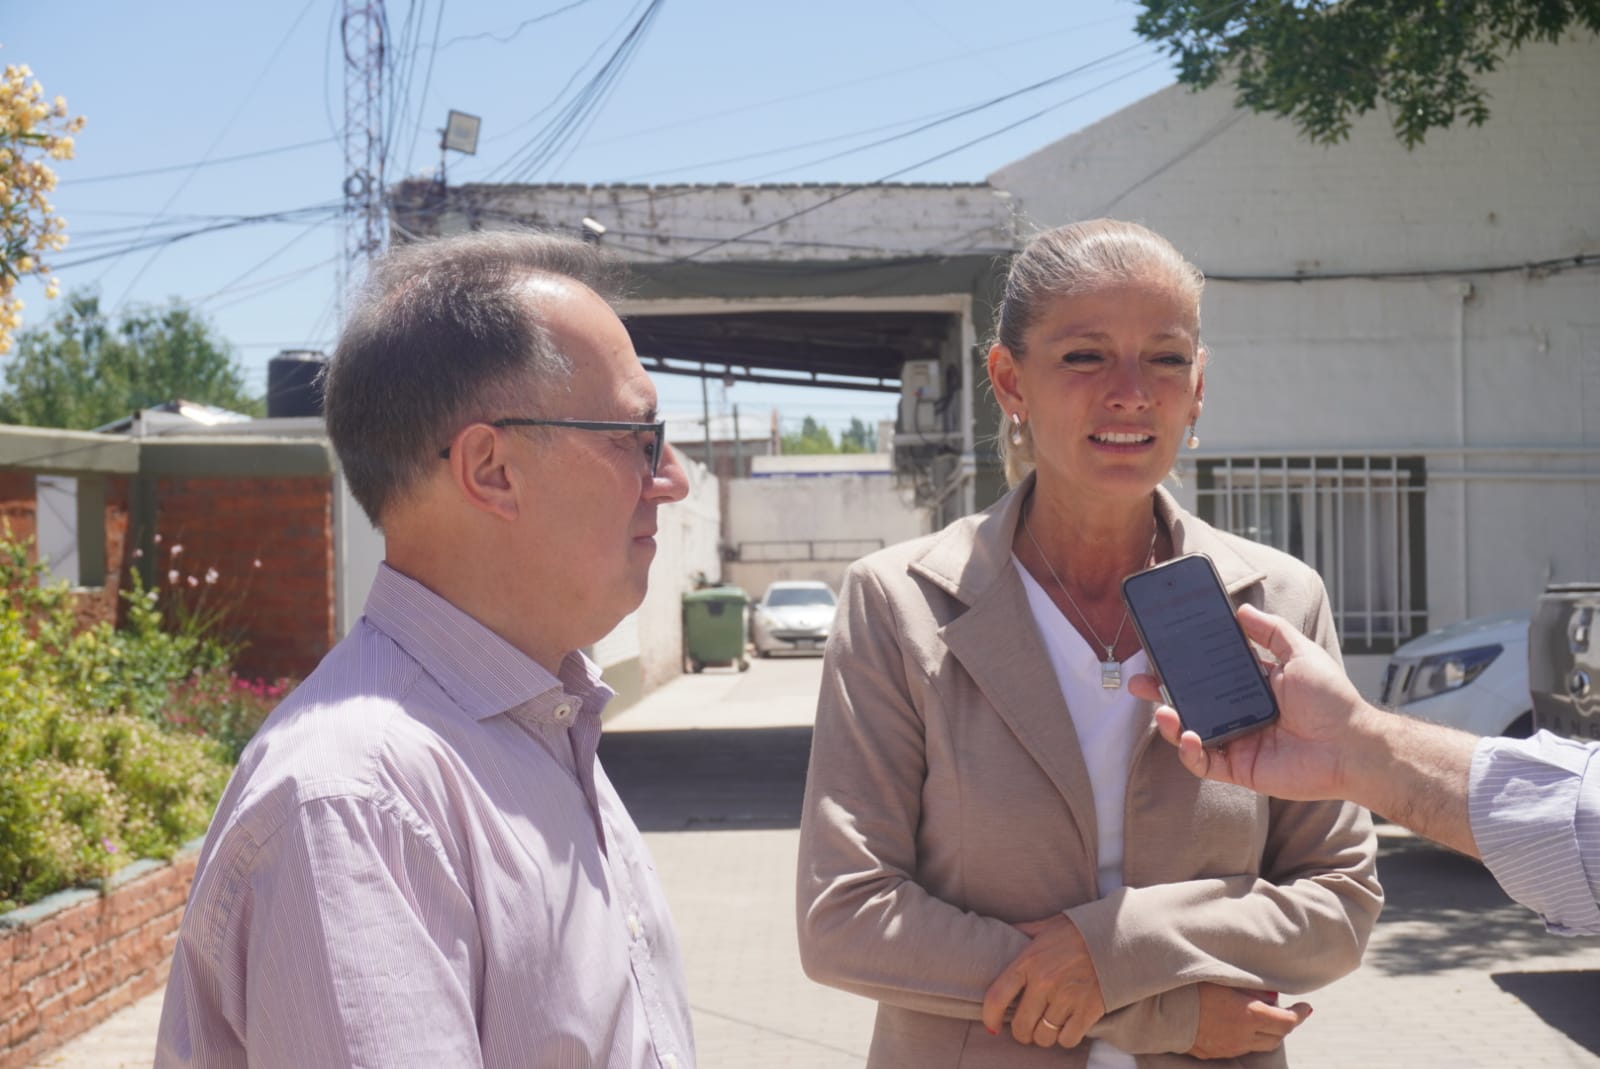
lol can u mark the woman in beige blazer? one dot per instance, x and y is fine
(991, 846)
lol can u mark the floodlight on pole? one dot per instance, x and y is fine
(460, 134)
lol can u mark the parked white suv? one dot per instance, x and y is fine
(1471, 675)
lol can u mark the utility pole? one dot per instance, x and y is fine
(705, 417)
(361, 34)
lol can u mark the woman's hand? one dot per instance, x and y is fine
(1236, 1021)
(1059, 990)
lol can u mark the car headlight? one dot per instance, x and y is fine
(1449, 671)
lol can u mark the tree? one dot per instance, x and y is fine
(80, 372)
(813, 438)
(859, 438)
(31, 131)
(1324, 63)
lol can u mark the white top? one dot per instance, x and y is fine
(1108, 723)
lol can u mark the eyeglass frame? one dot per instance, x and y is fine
(659, 427)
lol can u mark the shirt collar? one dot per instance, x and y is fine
(482, 672)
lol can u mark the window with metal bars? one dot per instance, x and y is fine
(1356, 519)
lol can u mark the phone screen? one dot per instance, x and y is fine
(1187, 626)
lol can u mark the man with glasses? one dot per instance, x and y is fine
(419, 861)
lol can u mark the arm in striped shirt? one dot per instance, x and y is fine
(1535, 808)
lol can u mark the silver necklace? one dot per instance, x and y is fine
(1110, 668)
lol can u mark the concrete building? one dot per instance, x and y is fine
(845, 286)
(810, 516)
(1404, 387)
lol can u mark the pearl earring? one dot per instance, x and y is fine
(1016, 429)
(1193, 441)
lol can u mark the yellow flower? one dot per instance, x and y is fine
(34, 129)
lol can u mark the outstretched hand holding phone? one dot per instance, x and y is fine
(1329, 743)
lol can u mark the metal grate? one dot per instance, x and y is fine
(1356, 519)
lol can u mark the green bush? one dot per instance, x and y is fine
(115, 743)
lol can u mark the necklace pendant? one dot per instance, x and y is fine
(1110, 674)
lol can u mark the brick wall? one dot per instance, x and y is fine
(18, 503)
(19, 506)
(271, 544)
(70, 961)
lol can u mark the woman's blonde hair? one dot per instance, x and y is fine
(1072, 259)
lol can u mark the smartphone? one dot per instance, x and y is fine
(1208, 671)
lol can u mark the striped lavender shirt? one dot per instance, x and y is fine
(419, 862)
(1535, 811)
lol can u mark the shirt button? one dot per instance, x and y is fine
(563, 712)
(634, 927)
(670, 1061)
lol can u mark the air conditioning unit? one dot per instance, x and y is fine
(920, 386)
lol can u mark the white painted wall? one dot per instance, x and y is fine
(864, 509)
(686, 543)
(56, 526)
(1493, 377)
(1240, 192)
(1407, 366)
(358, 549)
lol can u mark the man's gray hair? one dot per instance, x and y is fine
(441, 334)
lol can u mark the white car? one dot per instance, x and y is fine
(792, 615)
(1472, 675)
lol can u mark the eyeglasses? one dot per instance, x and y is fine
(655, 445)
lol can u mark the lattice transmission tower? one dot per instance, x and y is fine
(361, 31)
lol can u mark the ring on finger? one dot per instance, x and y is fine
(1048, 1023)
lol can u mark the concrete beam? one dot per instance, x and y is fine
(49, 451)
(204, 456)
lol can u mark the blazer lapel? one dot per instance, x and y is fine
(1008, 662)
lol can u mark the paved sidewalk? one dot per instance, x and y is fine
(713, 765)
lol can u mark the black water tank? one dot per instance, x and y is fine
(292, 387)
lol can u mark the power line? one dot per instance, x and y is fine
(234, 283)
(961, 114)
(513, 163)
(171, 225)
(226, 128)
(509, 37)
(780, 150)
(401, 62)
(579, 112)
(276, 282)
(427, 80)
(936, 120)
(920, 163)
(294, 215)
(258, 154)
(963, 55)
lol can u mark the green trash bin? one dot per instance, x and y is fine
(714, 627)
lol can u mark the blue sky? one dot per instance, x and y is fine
(716, 91)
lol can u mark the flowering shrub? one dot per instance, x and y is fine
(219, 705)
(114, 743)
(32, 130)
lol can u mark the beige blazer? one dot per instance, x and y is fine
(947, 799)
